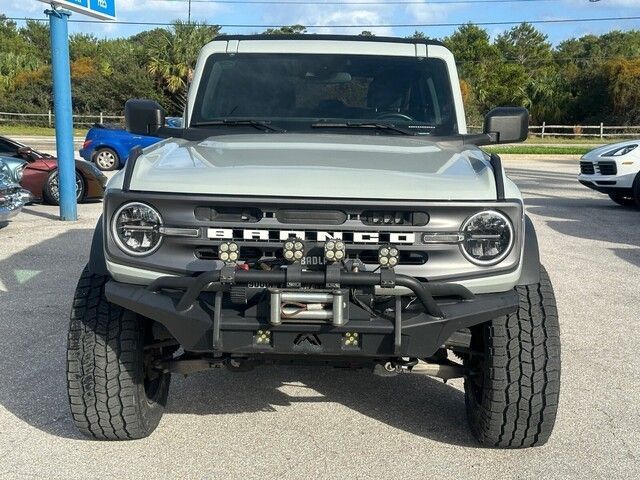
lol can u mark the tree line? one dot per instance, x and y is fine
(581, 80)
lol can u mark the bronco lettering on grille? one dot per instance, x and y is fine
(314, 236)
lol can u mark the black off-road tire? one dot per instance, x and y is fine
(111, 394)
(622, 200)
(512, 391)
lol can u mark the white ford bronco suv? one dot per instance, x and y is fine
(323, 204)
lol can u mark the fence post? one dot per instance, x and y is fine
(49, 118)
(544, 124)
(101, 117)
(601, 130)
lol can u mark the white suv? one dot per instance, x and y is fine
(614, 170)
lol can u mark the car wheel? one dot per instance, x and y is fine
(513, 386)
(51, 192)
(636, 190)
(622, 200)
(106, 159)
(115, 393)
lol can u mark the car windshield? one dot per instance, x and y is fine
(303, 90)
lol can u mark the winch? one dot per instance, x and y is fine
(312, 306)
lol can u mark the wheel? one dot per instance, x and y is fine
(114, 393)
(636, 190)
(512, 390)
(51, 191)
(106, 159)
(622, 200)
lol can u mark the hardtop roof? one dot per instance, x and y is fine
(343, 38)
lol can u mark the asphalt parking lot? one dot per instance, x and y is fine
(323, 423)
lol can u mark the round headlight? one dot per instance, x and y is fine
(488, 238)
(136, 229)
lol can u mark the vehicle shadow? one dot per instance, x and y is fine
(420, 405)
(36, 288)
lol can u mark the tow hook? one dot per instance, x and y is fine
(446, 370)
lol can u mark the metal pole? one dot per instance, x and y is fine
(189, 11)
(58, 21)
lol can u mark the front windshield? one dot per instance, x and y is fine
(300, 90)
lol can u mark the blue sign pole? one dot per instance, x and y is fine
(58, 21)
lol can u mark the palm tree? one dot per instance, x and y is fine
(173, 55)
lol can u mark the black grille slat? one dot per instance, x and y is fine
(587, 168)
(312, 217)
(607, 168)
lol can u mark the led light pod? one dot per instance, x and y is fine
(388, 257)
(335, 251)
(229, 252)
(294, 250)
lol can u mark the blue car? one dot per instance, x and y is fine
(108, 146)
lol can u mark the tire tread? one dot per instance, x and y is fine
(104, 367)
(521, 385)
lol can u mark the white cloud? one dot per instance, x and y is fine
(621, 3)
(174, 8)
(350, 13)
(28, 7)
(583, 6)
(429, 13)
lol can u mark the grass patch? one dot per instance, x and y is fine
(23, 130)
(572, 140)
(538, 150)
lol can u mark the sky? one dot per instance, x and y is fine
(332, 13)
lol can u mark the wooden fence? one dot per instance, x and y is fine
(600, 131)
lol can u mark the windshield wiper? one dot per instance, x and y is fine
(375, 125)
(231, 122)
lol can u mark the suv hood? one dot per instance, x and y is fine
(316, 165)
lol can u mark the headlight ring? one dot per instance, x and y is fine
(135, 228)
(488, 238)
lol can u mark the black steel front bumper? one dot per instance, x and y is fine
(193, 310)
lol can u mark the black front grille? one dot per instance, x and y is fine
(586, 168)
(607, 168)
(391, 217)
(228, 214)
(313, 217)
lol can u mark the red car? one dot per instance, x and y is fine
(40, 176)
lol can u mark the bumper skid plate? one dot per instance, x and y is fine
(194, 311)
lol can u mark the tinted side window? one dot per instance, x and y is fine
(7, 148)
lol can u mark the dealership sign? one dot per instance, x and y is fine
(102, 9)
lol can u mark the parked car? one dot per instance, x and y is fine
(13, 168)
(108, 146)
(40, 174)
(614, 170)
(11, 201)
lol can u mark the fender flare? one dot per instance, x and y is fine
(530, 255)
(97, 264)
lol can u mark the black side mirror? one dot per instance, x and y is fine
(507, 124)
(143, 117)
(25, 153)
